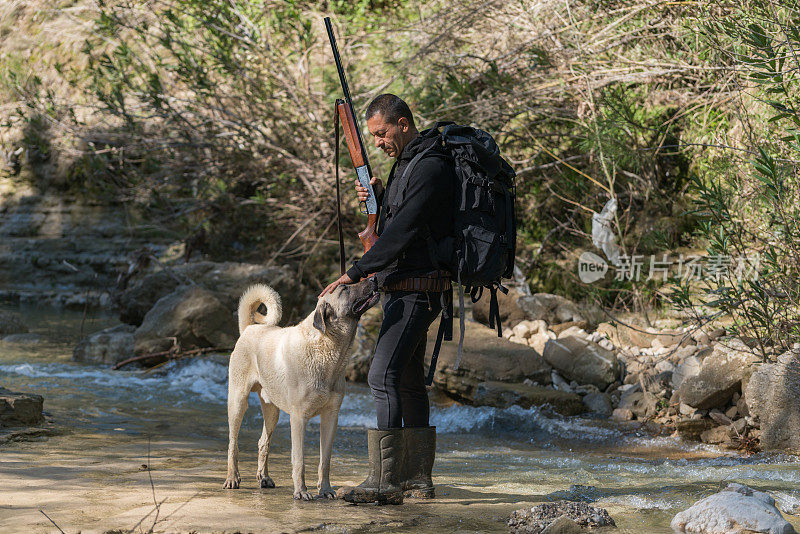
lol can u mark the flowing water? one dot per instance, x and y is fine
(490, 461)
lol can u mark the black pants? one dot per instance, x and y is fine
(397, 373)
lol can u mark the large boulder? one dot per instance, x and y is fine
(773, 398)
(18, 409)
(10, 323)
(190, 316)
(108, 346)
(553, 309)
(582, 360)
(503, 395)
(737, 509)
(486, 357)
(510, 312)
(226, 280)
(140, 296)
(720, 376)
(540, 519)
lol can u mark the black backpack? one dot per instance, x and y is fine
(481, 251)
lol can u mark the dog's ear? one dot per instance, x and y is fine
(322, 317)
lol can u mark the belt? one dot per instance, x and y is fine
(438, 281)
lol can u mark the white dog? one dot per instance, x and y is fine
(298, 369)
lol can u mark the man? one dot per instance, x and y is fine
(415, 205)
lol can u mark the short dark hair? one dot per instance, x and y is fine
(391, 107)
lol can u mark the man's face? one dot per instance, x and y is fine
(390, 137)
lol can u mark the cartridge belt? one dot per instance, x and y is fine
(438, 281)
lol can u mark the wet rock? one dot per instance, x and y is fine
(583, 361)
(692, 429)
(720, 376)
(503, 395)
(11, 323)
(108, 346)
(622, 414)
(486, 358)
(773, 399)
(227, 281)
(18, 409)
(23, 339)
(553, 309)
(563, 525)
(141, 296)
(539, 518)
(737, 509)
(598, 403)
(510, 312)
(715, 435)
(191, 317)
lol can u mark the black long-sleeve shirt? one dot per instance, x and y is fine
(401, 250)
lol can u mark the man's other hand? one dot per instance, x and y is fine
(362, 193)
(344, 279)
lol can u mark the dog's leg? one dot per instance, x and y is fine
(270, 413)
(298, 424)
(237, 404)
(329, 419)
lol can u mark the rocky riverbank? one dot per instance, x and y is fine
(698, 383)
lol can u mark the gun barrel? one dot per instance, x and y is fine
(346, 91)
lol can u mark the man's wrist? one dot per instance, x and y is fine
(355, 273)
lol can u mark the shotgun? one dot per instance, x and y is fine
(355, 145)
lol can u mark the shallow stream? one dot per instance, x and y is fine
(490, 461)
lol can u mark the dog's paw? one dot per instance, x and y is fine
(266, 482)
(327, 493)
(231, 483)
(302, 495)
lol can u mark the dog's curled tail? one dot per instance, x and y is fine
(251, 301)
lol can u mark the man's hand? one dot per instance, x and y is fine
(344, 279)
(362, 193)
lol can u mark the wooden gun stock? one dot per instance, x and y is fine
(369, 235)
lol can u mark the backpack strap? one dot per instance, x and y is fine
(445, 332)
(403, 180)
(494, 307)
(494, 312)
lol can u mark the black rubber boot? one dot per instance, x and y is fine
(420, 453)
(384, 483)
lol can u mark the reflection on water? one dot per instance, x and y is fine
(510, 451)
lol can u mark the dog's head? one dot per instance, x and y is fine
(345, 304)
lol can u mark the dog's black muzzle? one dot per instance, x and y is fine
(368, 299)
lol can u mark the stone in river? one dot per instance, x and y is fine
(20, 408)
(737, 509)
(108, 346)
(190, 315)
(539, 519)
